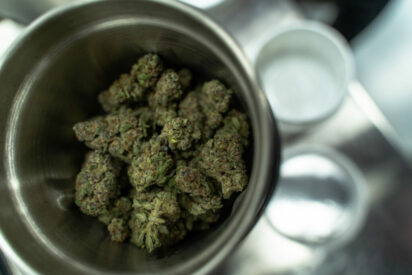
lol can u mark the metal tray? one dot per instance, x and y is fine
(358, 130)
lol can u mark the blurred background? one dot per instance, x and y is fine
(373, 127)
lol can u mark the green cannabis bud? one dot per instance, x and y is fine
(147, 70)
(121, 133)
(132, 87)
(168, 89)
(236, 122)
(165, 158)
(214, 100)
(152, 166)
(181, 133)
(120, 208)
(96, 184)
(118, 229)
(123, 90)
(221, 159)
(191, 181)
(190, 109)
(199, 205)
(185, 78)
(164, 114)
(153, 218)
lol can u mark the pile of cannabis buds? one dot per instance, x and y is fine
(164, 159)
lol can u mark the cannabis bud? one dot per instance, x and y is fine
(164, 159)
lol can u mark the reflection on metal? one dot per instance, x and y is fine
(203, 4)
(25, 11)
(267, 252)
(9, 31)
(350, 132)
(321, 198)
(384, 60)
(362, 97)
(356, 132)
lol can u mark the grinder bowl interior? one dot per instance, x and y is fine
(54, 74)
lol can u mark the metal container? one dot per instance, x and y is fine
(49, 80)
(25, 11)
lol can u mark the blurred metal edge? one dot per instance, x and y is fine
(358, 92)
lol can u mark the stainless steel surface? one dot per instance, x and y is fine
(204, 4)
(252, 22)
(25, 11)
(384, 60)
(321, 198)
(50, 79)
(9, 31)
(383, 244)
(361, 132)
